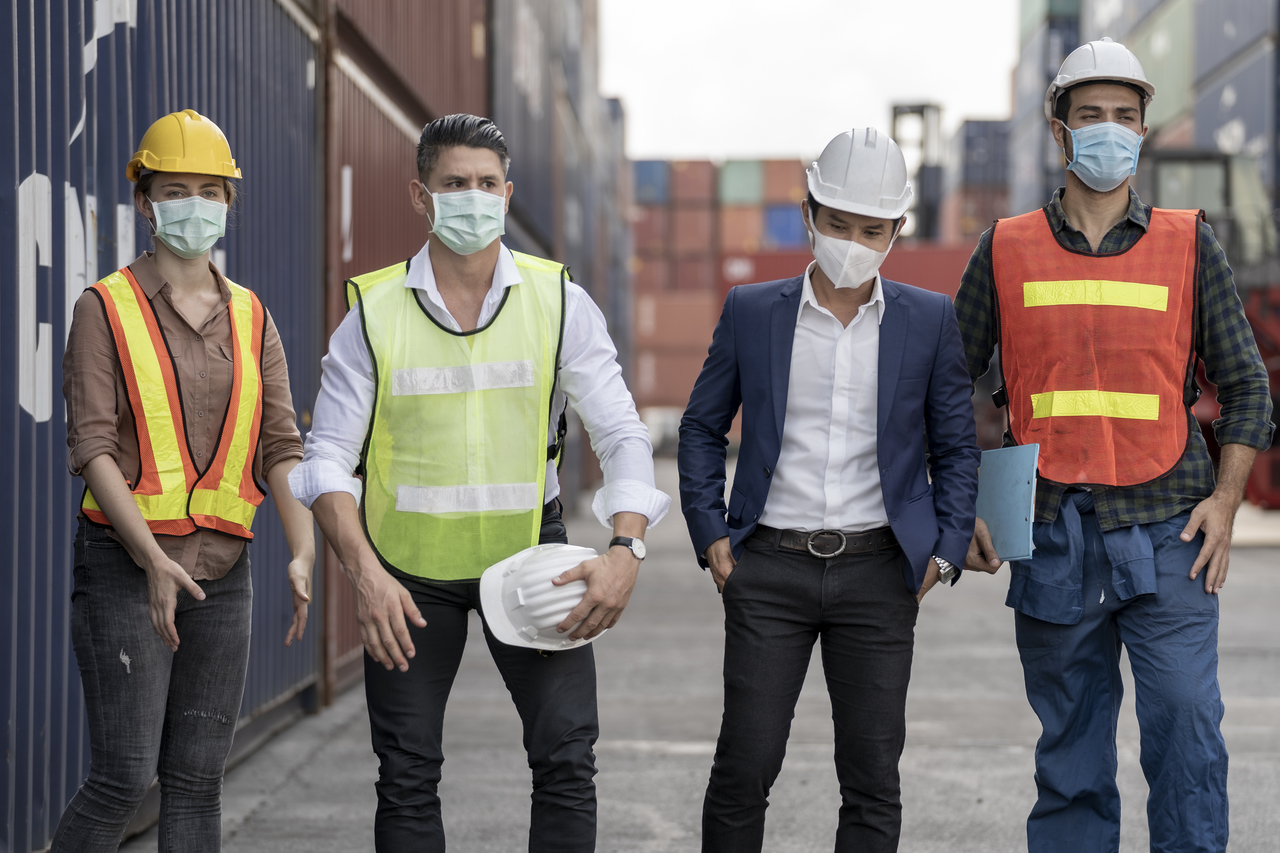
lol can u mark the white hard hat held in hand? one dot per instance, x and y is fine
(522, 607)
(862, 171)
(1098, 61)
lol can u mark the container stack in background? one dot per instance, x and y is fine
(322, 102)
(975, 181)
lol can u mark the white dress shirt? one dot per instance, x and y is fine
(590, 380)
(827, 477)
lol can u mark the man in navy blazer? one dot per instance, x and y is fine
(853, 494)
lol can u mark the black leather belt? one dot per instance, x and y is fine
(827, 543)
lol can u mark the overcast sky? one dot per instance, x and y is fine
(762, 78)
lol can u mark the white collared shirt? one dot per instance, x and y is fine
(590, 381)
(827, 476)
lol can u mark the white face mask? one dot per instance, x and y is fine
(468, 221)
(189, 226)
(847, 263)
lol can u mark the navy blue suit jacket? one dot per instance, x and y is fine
(924, 421)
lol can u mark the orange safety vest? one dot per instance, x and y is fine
(173, 497)
(1097, 350)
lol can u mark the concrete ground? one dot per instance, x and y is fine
(966, 772)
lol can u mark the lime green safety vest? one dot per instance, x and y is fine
(455, 460)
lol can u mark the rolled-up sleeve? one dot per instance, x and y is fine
(592, 379)
(278, 439)
(90, 370)
(340, 419)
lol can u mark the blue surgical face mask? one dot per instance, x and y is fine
(189, 226)
(1104, 154)
(470, 220)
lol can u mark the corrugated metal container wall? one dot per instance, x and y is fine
(741, 182)
(1114, 18)
(438, 49)
(372, 225)
(784, 182)
(693, 180)
(1164, 46)
(1225, 28)
(650, 227)
(1237, 115)
(1039, 61)
(651, 179)
(86, 90)
(693, 231)
(651, 275)
(1032, 12)
(695, 274)
(741, 228)
(523, 106)
(783, 227)
(985, 154)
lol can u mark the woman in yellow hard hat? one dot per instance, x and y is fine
(177, 404)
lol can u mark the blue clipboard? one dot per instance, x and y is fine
(1007, 497)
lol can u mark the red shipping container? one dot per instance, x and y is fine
(696, 274)
(665, 378)
(930, 266)
(693, 180)
(784, 182)
(693, 231)
(741, 228)
(650, 275)
(649, 229)
(675, 321)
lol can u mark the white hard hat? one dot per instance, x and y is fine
(1098, 60)
(521, 605)
(862, 171)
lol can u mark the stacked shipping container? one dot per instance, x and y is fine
(322, 101)
(976, 186)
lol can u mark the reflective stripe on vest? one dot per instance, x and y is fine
(456, 456)
(1095, 349)
(173, 497)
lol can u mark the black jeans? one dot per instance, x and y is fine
(777, 603)
(554, 694)
(151, 710)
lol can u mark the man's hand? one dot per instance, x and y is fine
(382, 604)
(720, 556)
(982, 556)
(930, 579)
(1215, 516)
(300, 585)
(610, 579)
(164, 579)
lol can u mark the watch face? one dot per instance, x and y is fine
(637, 548)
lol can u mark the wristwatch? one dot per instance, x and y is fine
(636, 545)
(946, 571)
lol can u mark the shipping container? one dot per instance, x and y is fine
(784, 182)
(696, 274)
(89, 78)
(1036, 165)
(784, 228)
(650, 275)
(676, 321)
(650, 230)
(522, 104)
(1164, 46)
(1113, 18)
(762, 266)
(651, 177)
(692, 181)
(931, 266)
(1038, 64)
(979, 155)
(438, 50)
(1032, 13)
(1225, 29)
(741, 228)
(693, 231)
(969, 211)
(1237, 115)
(666, 378)
(741, 182)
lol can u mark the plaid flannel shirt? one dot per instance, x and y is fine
(1225, 344)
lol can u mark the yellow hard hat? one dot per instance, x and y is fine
(183, 142)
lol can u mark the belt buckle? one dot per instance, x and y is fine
(836, 553)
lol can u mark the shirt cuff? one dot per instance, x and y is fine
(311, 479)
(630, 496)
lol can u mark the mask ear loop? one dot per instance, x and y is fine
(433, 204)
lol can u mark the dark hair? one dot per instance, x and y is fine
(459, 129)
(814, 207)
(1062, 107)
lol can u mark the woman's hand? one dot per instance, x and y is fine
(300, 585)
(164, 579)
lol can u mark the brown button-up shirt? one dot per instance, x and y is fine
(99, 419)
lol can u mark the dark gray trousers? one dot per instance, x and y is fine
(777, 603)
(554, 694)
(151, 710)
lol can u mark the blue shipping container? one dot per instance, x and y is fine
(1237, 115)
(653, 178)
(89, 78)
(783, 228)
(1226, 28)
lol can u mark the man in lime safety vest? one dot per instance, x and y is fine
(445, 389)
(1103, 308)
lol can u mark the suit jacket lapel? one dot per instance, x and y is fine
(893, 339)
(782, 335)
